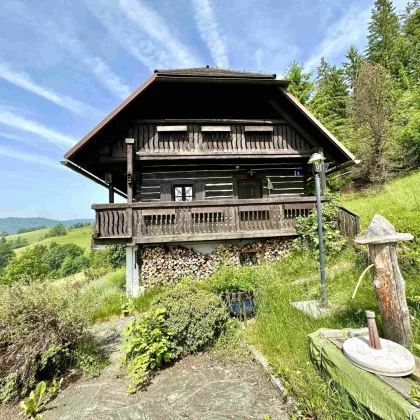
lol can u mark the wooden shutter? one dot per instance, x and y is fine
(166, 192)
(200, 190)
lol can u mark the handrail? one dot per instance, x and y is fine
(207, 203)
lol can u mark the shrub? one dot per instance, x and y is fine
(307, 228)
(56, 254)
(194, 317)
(146, 347)
(116, 255)
(100, 260)
(6, 252)
(19, 242)
(43, 331)
(230, 279)
(73, 265)
(28, 266)
(57, 230)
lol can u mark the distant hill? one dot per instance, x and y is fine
(12, 224)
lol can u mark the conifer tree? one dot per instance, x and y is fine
(330, 101)
(352, 66)
(383, 33)
(300, 85)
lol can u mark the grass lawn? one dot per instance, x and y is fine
(280, 330)
(81, 237)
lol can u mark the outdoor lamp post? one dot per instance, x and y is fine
(317, 161)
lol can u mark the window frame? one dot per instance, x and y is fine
(183, 186)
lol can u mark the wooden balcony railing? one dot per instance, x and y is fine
(162, 222)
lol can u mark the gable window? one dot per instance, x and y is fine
(183, 193)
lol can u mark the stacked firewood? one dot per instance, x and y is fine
(163, 266)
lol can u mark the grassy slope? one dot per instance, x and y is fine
(281, 330)
(398, 201)
(32, 237)
(81, 237)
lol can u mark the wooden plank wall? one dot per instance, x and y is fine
(220, 181)
(148, 140)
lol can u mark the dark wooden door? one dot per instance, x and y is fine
(249, 189)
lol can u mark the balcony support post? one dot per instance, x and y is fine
(133, 271)
(130, 180)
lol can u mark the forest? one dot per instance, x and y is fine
(371, 103)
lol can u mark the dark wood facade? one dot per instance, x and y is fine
(213, 155)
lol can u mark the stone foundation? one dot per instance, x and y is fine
(163, 266)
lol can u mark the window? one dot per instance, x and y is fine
(183, 193)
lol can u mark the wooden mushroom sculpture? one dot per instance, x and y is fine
(381, 238)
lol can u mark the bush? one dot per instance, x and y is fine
(73, 265)
(56, 254)
(146, 347)
(28, 266)
(43, 332)
(6, 252)
(100, 260)
(195, 318)
(57, 230)
(116, 255)
(19, 242)
(307, 227)
(230, 279)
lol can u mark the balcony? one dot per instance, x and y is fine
(195, 221)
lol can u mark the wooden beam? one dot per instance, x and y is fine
(292, 122)
(171, 128)
(215, 128)
(88, 175)
(197, 237)
(210, 121)
(191, 156)
(258, 128)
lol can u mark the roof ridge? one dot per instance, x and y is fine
(209, 71)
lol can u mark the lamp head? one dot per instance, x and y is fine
(316, 159)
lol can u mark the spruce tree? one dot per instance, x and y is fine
(352, 66)
(383, 33)
(330, 101)
(300, 85)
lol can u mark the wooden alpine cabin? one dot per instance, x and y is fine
(203, 156)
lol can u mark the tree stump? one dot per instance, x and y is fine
(382, 238)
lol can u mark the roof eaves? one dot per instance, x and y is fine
(318, 123)
(110, 116)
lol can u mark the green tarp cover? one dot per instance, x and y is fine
(363, 386)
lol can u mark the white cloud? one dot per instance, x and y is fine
(143, 33)
(12, 120)
(29, 157)
(24, 81)
(104, 75)
(154, 25)
(109, 79)
(210, 32)
(350, 29)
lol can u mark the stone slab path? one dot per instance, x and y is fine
(194, 388)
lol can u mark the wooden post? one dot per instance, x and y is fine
(108, 180)
(374, 341)
(130, 155)
(382, 238)
(133, 271)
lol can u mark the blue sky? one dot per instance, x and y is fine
(65, 64)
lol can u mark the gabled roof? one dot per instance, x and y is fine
(214, 72)
(216, 75)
